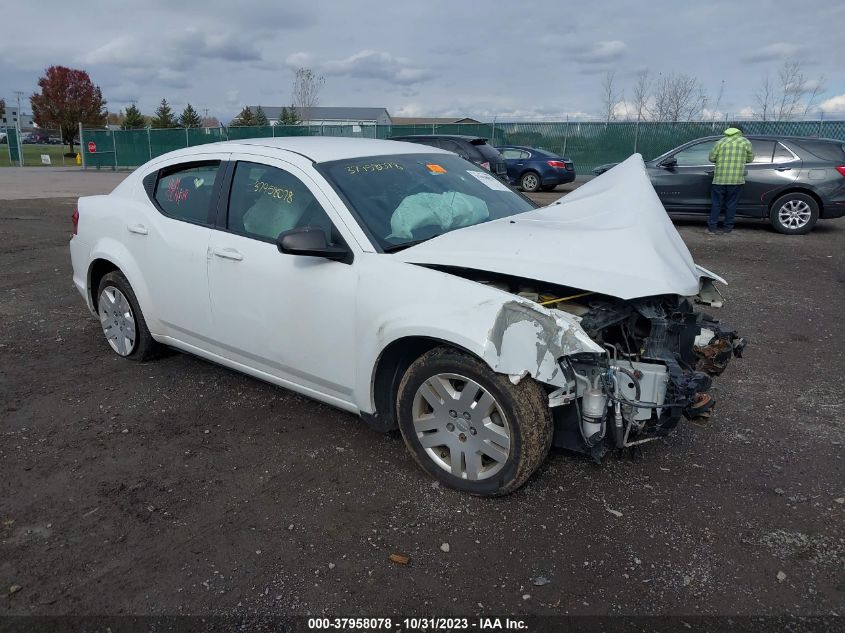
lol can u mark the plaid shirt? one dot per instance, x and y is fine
(729, 154)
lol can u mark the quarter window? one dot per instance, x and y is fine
(184, 192)
(266, 201)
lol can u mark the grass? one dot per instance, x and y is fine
(32, 155)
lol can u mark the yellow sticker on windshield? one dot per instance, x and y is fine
(435, 169)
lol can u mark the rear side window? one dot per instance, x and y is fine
(184, 192)
(782, 155)
(488, 151)
(762, 150)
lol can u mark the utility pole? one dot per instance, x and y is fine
(18, 95)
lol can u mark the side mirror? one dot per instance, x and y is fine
(669, 163)
(311, 242)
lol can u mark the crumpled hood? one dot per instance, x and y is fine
(610, 236)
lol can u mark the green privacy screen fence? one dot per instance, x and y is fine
(588, 144)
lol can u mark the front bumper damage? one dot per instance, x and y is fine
(661, 355)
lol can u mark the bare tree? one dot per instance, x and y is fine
(306, 92)
(718, 102)
(610, 96)
(678, 97)
(764, 96)
(791, 95)
(642, 94)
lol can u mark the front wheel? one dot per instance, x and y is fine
(794, 214)
(529, 182)
(470, 428)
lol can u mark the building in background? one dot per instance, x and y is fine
(321, 115)
(10, 118)
(430, 120)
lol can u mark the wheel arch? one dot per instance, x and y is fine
(98, 269)
(798, 189)
(388, 371)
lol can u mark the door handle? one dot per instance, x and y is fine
(783, 168)
(139, 229)
(228, 253)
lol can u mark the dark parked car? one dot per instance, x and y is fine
(793, 181)
(532, 169)
(472, 148)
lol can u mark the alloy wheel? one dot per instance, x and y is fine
(461, 427)
(794, 214)
(530, 182)
(117, 320)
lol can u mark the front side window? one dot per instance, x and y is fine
(184, 192)
(266, 201)
(698, 154)
(404, 199)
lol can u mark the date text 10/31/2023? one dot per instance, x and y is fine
(418, 624)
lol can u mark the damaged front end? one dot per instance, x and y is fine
(661, 355)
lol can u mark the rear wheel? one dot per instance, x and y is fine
(529, 181)
(794, 214)
(122, 320)
(470, 428)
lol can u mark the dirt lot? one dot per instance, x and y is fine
(179, 487)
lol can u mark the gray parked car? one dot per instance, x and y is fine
(792, 182)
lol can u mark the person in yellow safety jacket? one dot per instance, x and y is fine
(729, 155)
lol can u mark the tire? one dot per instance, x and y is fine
(549, 187)
(122, 321)
(529, 181)
(495, 453)
(794, 214)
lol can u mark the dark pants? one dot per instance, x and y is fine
(724, 197)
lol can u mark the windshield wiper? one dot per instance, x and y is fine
(398, 247)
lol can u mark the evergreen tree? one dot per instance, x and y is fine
(289, 116)
(190, 117)
(261, 118)
(133, 119)
(163, 116)
(246, 117)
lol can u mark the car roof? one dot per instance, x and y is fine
(458, 137)
(772, 137)
(316, 148)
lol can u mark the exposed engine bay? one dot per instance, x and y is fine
(661, 355)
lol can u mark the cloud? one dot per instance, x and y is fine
(834, 104)
(774, 52)
(299, 60)
(179, 50)
(602, 52)
(366, 64)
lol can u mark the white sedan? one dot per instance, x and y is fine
(413, 288)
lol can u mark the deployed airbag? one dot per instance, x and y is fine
(448, 210)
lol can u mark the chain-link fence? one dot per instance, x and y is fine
(588, 144)
(30, 148)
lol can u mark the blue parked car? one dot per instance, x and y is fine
(532, 169)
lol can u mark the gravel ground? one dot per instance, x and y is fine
(179, 487)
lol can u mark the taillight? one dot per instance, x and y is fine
(841, 169)
(75, 219)
(557, 164)
(486, 166)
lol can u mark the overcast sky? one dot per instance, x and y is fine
(522, 58)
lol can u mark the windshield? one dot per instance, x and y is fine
(405, 199)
